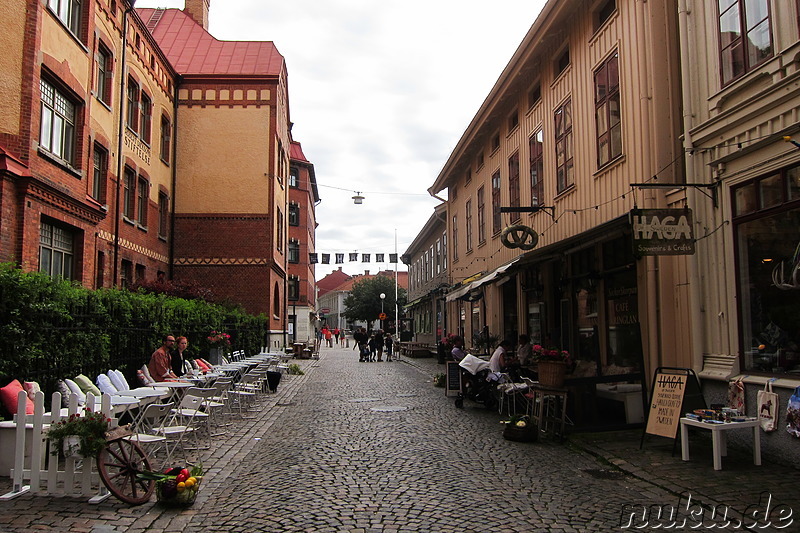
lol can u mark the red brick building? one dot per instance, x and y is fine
(134, 146)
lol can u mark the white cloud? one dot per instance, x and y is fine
(380, 92)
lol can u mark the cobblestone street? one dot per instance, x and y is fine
(372, 447)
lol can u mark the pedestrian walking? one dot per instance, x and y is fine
(389, 345)
(336, 334)
(360, 337)
(376, 346)
(328, 337)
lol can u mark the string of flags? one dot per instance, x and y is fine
(339, 258)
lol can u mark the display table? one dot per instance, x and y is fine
(718, 438)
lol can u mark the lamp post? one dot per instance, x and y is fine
(382, 295)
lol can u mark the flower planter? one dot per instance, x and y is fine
(529, 433)
(552, 374)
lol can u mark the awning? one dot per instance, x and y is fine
(466, 289)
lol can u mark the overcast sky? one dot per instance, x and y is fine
(380, 92)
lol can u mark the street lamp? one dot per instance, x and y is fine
(383, 296)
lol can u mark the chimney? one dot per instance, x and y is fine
(198, 10)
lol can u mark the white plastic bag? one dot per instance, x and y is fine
(767, 402)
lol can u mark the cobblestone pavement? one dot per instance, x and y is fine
(374, 447)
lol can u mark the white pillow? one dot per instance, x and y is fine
(118, 380)
(74, 389)
(105, 385)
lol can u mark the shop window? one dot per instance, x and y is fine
(57, 129)
(607, 111)
(623, 333)
(536, 147)
(565, 173)
(745, 36)
(496, 202)
(56, 250)
(767, 267)
(481, 216)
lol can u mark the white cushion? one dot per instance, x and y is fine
(118, 380)
(74, 389)
(105, 385)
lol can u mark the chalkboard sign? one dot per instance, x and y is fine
(674, 392)
(453, 380)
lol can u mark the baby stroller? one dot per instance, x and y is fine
(475, 383)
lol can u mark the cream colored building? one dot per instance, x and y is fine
(741, 101)
(588, 105)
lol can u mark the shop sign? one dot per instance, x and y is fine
(662, 231)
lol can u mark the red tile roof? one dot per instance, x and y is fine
(192, 50)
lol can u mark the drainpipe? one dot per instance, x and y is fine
(687, 50)
(120, 142)
(173, 201)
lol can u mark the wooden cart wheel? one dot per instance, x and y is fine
(118, 464)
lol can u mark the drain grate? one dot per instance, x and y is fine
(601, 473)
(389, 409)
(364, 400)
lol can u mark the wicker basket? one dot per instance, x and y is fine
(552, 374)
(529, 433)
(180, 499)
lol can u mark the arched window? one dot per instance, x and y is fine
(276, 301)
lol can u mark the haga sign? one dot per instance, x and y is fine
(662, 231)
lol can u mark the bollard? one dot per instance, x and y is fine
(347, 342)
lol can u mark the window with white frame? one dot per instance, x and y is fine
(99, 173)
(468, 220)
(69, 12)
(607, 110)
(481, 215)
(294, 251)
(565, 174)
(56, 251)
(57, 129)
(513, 183)
(536, 147)
(496, 202)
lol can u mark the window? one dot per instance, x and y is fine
(513, 121)
(126, 274)
(766, 217)
(57, 132)
(565, 175)
(105, 74)
(279, 236)
(534, 95)
(481, 217)
(536, 146)
(276, 301)
(455, 237)
(140, 272)
(468, 233)
(56, 251)
(604, 13)
(99, 173)
(479, 161)
(293, 288)
(607, 110)
(69, 11)
(100, 270)
(142, 201)
(129, 194)
(294, 177)
(166, 138)
(513, 183)
(438, 256)
(163, 215)
(496, 202)
(444, 250)
(294, 251)
(294, 215)
(745, 36)
(145, 122)
(496, 142)
(562, 62)
(132, 117)
(468, 176)
(454, 193)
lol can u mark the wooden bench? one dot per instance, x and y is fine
(417, 349)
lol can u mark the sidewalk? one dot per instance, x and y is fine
(739, 486)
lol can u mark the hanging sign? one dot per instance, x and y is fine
(662, 231)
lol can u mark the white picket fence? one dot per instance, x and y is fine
(43, 473)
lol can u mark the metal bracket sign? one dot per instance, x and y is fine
(662, 231)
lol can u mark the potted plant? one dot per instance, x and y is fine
(552, 365)
(218, 343)
(82, 434)
(520, 428)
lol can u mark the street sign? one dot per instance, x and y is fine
(382, 316)
(324, 311)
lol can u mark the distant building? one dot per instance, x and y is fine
(330, 303)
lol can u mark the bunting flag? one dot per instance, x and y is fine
(325, 259)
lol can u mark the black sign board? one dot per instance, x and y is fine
(453, 380)
(662, 231)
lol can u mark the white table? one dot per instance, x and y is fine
(718, 438)
(175, 388)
